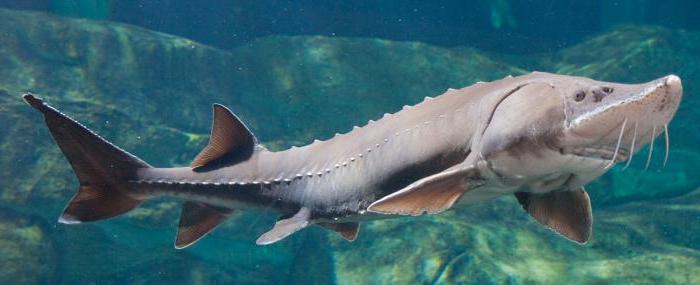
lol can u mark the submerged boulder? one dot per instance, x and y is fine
(496, 243)
(27, 253)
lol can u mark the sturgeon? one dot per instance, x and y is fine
(540, 137)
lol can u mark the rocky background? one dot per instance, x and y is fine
(151, 94)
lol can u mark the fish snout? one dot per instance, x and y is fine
(674, 86)
(661, 102)
(630, 117)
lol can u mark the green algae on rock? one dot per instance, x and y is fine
(27, 253)
(495, 243)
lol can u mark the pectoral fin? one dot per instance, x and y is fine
(197, 220)
(430, 195)
(566, 212)
(285, 227)
(348, 231)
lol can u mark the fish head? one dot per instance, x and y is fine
(606, 123)
(569, 134)
(596, 112)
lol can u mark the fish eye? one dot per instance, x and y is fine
(580, 96)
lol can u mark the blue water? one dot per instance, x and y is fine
(143, 74)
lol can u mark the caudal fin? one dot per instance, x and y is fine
(102, 168)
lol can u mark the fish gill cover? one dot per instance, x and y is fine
(151, 94)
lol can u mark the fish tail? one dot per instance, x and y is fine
(103, 169)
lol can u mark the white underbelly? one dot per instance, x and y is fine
(483, 194)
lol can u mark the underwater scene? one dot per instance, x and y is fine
(143, 75)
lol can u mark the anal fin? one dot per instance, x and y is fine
(566, 212)
(197, 220)
(285, 227)
(348, 231)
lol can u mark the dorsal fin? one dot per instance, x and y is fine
(228, 136)
(348, 230)
(566, 212)
(197, 220)
(285, 227)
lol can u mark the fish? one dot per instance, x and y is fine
(539, 137)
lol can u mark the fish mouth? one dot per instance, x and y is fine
(600, 152)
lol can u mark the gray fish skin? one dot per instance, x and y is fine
(539, 136)
(339, 178)
(342, 176)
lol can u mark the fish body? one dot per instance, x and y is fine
(540, 137)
